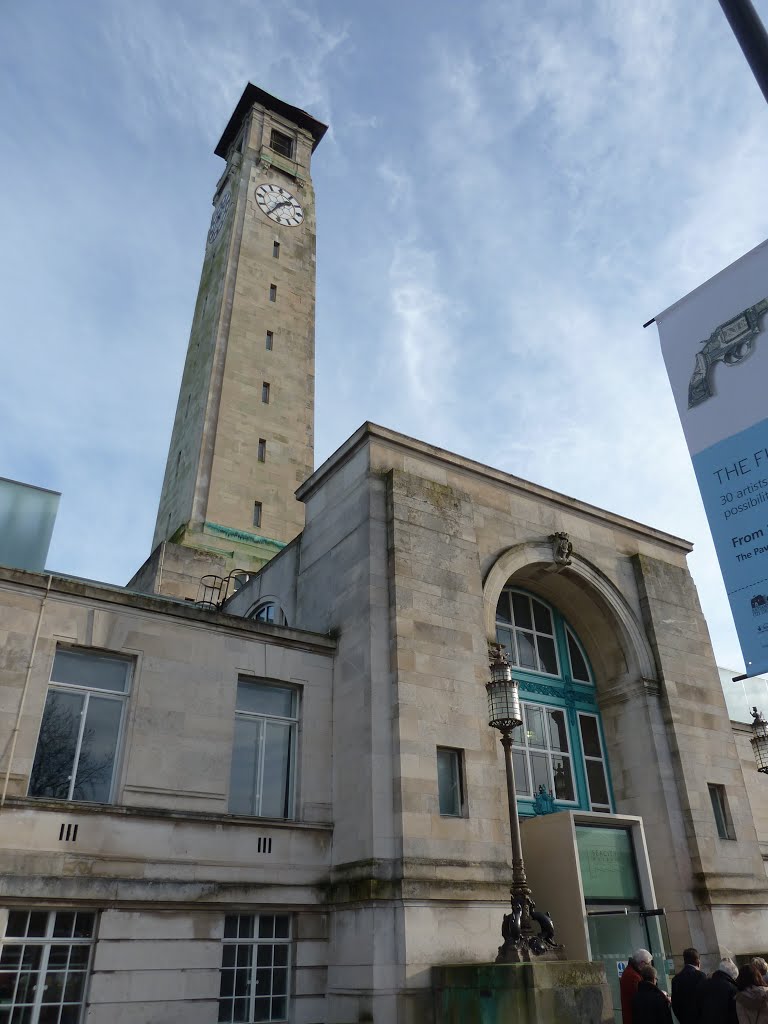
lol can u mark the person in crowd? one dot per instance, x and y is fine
(650, 1005)
(752, 995)
(762, 966)
(717, 995)
(685, 987)
(630, 980)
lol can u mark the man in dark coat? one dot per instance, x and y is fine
(685, 988)
(650, 1005)
(717, 995)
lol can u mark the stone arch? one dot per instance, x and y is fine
(606, 624)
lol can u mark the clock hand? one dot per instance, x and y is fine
(277, 206)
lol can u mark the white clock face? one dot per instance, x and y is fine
(279, 205)
(219, 216)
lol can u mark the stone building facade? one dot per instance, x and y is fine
(285, 802)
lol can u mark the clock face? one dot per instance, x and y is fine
(219, 216)
(279, 205)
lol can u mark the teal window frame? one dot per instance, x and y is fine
(560, 691)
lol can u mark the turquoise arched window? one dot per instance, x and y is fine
(559, 750)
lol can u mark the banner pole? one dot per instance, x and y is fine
(752, 38)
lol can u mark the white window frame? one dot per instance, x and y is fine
(593, 806)
(457, 772)
(252, 943)
(46, 943)
(88, 690)
(523, 748)
(513, 628)
(293, 722)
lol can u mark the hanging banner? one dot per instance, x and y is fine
(715, 346)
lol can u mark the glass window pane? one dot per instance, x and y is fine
(245, 926)
(520, 767)
(563, 778)
(526, 651)
(276, 783)
(266, 926)
(534, 724)
(547, 655)
(230, 926)
(598, 786)
(58, 958)
(263, 981)
(264, 955)
(98, 749)
(56, 745)
(282, 927)
(558, 732)
(84, 925)
(281, 955)
(540, 772)
(279, 1008)
(227, 986)
(17, 923)
(261, 1010)
(448, 788)
(86, 668)
(590, 739)
(579, 668)
(64, 925)
(502, 608)
(542, 618)
(280, 982)
(504, 637)
(521, 608)
(38, 924)
(260, 699)
(78, 957)
(244, 775)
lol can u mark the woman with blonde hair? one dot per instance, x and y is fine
(752, 996)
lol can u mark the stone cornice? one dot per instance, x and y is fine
(369, 432)
(74, 588)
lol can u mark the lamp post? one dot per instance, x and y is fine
(759, 740)
(504, 714)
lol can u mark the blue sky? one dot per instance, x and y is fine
(507, 192)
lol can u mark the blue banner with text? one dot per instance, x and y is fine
(733, 479)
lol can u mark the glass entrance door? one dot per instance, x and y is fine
(615, 932)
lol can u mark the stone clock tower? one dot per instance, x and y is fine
(242, 439)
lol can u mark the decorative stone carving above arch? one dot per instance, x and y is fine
(597, 610)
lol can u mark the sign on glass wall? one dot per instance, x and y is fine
(715, 345)
(607, 864)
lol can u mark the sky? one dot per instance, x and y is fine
(508, 190)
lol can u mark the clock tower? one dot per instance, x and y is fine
(242, 439)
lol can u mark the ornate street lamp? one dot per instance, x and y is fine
(504, 714)
(759, 740)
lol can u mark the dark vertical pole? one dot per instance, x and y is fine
(752, 37)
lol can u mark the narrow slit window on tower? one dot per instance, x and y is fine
(257, 513)
(276, 250)
(281, 143)
(265, 393)
(262, 450)
(270, 340)
(273, 293)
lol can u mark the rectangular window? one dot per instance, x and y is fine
(262, 450)
(257, 513)
(450, 782)
(44, 961)
(276, 250)
(261, 780)
(594, 763)
(281, 143)
(270, 340)
(265, 393)
(273, 293)
(79, 737)
(721, 812)
(541, 754)
(255, 963)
